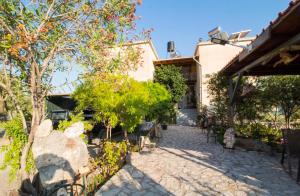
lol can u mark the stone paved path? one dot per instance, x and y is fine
(5, 186)
(184, 164)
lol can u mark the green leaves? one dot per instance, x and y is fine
(283, 92)
(88, 126)
(14, 131)
(118, 99)
(171, 77)
(160, 102)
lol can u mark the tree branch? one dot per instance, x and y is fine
(7, 27)
(46, 19)
(17, 105)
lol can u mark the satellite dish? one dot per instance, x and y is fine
(239, 35)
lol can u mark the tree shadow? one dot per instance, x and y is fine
(259, 172)
(53, 172)
(132, 181)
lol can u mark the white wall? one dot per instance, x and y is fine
(145, 69)
(213, 57)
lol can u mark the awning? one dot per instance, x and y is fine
(276, 51)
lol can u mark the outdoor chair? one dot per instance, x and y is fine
(291, 147)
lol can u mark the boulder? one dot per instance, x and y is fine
(74, 130)
(44, 129)
(229, 138)
(58, 157)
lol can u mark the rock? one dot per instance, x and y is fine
(96, 141)
(44, 129)
(53, 174)
(58, 157)
(229, 138)
(74, 130)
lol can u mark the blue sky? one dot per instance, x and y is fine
(185, 21)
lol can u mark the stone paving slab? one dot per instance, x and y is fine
(184, 164)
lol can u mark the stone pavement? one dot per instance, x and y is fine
(184, 164)
(5, 186)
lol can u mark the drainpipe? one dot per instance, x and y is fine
(200, 83)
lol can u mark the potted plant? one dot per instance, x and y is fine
(164, 119)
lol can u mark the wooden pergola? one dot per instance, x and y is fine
(276, 51)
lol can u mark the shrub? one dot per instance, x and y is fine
(111, 161)
(220, 130)
(171, 77)
(260, 132)
(12, 152)
(113, 156)
(88, 126)
(159, 102)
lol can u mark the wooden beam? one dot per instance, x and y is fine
(271, 54)
(260, 40)
(230, 105)
(236, 86)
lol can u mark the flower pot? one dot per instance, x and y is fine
(164, 127)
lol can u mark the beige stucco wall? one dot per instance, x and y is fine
(213, 57)
(145, 69)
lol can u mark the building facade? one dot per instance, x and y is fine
(212, 58)
(208, 58)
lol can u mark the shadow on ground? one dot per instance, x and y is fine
(233, 171)
(184, 163)
(132, 181)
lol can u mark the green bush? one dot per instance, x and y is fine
(260, 132)
(220, 131)
(113, 156)
(12, 152)
(88, 126)
(111, 161)
(159, 103)
(171, 77)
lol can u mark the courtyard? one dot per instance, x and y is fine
(183, 163)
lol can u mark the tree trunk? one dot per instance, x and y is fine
(24, 175)
(110, 132)
(125, 135)
(288, 122)
(107, 132)
(36, 98)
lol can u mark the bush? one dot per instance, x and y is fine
(113, 156)
(159, 102)
(111, 161)
(220, 130)
(260, 132)
(12, 152)
(73, 119)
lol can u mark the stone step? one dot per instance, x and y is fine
(187, 117)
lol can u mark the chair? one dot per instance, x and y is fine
(291, 146)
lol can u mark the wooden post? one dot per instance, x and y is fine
(230, 103)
